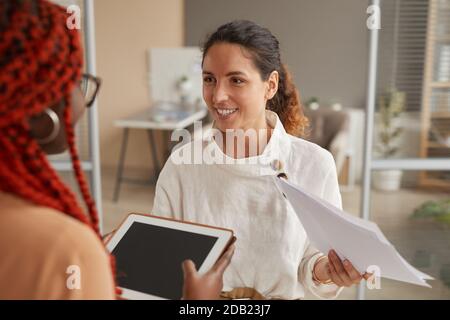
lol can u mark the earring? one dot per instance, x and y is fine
(56, 127)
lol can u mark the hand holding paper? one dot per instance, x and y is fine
(331, 269)
(357, 240)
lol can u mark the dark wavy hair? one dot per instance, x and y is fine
(264, 49)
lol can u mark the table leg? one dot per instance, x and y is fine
(170, 144)
(156, 166)
(119, 174)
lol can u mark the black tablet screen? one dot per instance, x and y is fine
(148, 258)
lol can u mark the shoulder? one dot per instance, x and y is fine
(64, 239)
(308, 152)
(39, 224)
(309, 165)
(50, 242)
(314, 168)
(49, 227)
(81, 237)
(183, 159)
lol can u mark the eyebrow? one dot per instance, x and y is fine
(232, 73)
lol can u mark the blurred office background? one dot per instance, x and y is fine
(326, 45)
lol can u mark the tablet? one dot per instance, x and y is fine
(149, 252)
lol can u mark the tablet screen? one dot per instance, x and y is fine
(148, 258)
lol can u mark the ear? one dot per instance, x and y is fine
(41, 126)
(272, 85)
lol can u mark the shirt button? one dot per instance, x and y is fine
(277, 165)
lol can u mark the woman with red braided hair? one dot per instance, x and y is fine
(44, 234)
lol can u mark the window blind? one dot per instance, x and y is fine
(402, 49)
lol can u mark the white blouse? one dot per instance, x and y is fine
(273, 254)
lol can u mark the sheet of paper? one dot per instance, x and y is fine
(360, 241)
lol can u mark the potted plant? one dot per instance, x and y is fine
(184, 86)
(437, 210)
(391, 105)
(313, 103)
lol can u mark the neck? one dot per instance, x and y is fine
(245, 143)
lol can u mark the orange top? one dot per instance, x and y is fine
(45, 254)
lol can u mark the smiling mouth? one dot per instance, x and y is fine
(225, 112)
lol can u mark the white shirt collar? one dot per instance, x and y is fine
(278, 148)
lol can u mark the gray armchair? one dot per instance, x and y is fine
(330, 130)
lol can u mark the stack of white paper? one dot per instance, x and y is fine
(357, 240)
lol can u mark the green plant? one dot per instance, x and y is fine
(438, 210)
(312, 100)
(390, 106)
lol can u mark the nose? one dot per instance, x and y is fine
(220, 93)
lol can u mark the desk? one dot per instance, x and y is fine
(144, 120)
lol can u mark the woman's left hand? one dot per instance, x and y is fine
(342, 273)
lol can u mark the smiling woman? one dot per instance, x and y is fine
(243, 75)
(247, 88)
(57, 251)
(235, 98)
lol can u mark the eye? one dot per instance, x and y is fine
(208, 80)
(237, 81)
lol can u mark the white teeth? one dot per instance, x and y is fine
(225, 112)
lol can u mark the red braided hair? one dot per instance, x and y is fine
(40, 65)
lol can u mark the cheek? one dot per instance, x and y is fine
(78, 106)
(250, 100)
(207, 95)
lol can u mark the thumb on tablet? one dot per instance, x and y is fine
(189, 268)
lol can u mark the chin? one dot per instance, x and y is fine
(226, 126)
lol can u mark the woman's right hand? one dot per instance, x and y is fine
(209, 285)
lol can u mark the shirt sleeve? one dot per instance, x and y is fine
(321, 291)
(331, 194)
(167, 201)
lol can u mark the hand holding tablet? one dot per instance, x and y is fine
(150, 251)
(209, 285)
